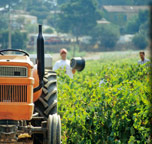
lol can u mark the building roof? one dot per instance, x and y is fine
(125, 9)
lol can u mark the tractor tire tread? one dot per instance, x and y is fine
(47, 102)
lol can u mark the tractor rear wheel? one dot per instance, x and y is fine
(54, 129)
(47, 103)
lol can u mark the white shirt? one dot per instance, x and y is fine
(64, 64)
(144, 61)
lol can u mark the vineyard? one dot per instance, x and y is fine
(107, 103)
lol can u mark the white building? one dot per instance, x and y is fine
(27, 19)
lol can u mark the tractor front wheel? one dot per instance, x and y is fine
(54, 129)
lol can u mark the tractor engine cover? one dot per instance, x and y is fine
(16, 87)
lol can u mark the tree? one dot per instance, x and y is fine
(134, 24)
(140, 41)
(3, 3)
(48, 30)
(105, 36)
(52, 20)
(115, 2)
(7, 5)
(78, 17)
(124, 2)
(60, 2)
(3, 22)
(39, 8)
(141, 2)
(50, 4)
(18, 40)
(31, 28)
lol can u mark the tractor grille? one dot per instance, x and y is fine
(13, 71)
(13, 93)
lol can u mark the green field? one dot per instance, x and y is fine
(117, 111)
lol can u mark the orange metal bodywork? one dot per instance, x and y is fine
(36, 84)
(20, 110)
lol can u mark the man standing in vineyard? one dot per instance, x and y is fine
(142, 57)
(64, 63)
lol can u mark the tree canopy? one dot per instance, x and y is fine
(124, 2)
(78, 17)
(60, 2)
(105, 36)
(11, 3)
(134, 24)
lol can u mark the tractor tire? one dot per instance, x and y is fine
(54, 129)
(47, 102)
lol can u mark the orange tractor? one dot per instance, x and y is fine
(28, 97)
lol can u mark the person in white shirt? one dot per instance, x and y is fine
(64, 63)
(142, 57)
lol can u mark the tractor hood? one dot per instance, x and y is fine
(16, 60)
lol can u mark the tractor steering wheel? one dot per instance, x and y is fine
(14, 50)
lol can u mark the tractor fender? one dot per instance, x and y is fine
(38, 93)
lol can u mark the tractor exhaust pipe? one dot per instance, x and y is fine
(40, 58)
(40, 54)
